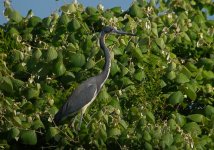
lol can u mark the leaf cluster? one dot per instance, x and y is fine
(159, 94)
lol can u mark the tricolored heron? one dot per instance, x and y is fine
(85, 94)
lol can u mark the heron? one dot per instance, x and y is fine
(87, 91)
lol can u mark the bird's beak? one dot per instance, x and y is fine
(123, 33)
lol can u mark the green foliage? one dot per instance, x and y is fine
(159, 94)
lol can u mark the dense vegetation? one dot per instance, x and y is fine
(159, 94)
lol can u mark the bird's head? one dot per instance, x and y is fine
(109, 29)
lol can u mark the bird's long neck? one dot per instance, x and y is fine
(107, 66)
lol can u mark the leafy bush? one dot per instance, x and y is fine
(159, 94)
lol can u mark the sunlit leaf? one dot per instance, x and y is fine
(193, 128)
(15, 16)
(77, 60)
(59, 68)
(160, 43)
(135, 11)
(114, 132)
(140, 75)
(114, 68)
(150, 117)
(181, 78)
(172, 124)
(51, 54)
(189, 91)
(196, 117)
(33, 21)
(52, 132)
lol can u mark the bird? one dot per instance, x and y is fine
(87, 91)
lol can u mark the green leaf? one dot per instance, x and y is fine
(33, 21)
(178, 138)
(181, 78)
(191, 67)
(114, 68)
(193, 128)
(115, 103)
(37, 124)
(180, 119)
(6, 84)
(126, 81)
(150, 117)
(118, 51)
(112, 132)
(52, 132)
(172, 124)
(91, 10)
(103, 134)
(8, 11)
(59, 68)
(28, 137)
(176, 97)
(189, 91)
(135, 11)
(146, 136)
(155, 31)
(47, 22)
(17, 120)
(69, 8)
(171, 75)
(162, 83)
(77, 60)
(208, 74)
(63, 20)
(17, 83)
(73, 25)
(185, 36)
(15, 16)
(51, 54)
(124, 70)
(140, 75)
(37, 54)
(209, 110)
(32, 93)
(148, 146)
(90, 64)
(172, 66)
(160, 43)
(13, 133)
(167, 139)
(186, 72)
(124, 124)
(13, 32)
(196, 117)
(116, 10)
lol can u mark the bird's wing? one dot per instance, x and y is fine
(79, 98)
